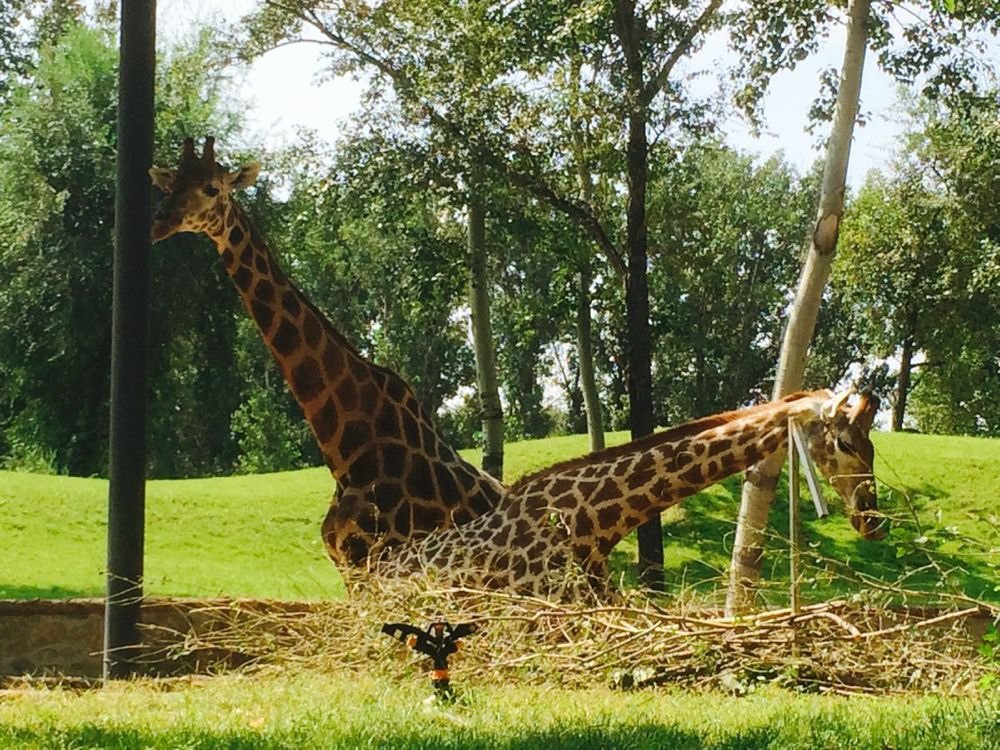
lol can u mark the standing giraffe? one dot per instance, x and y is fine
(571, 515)
(396, 477)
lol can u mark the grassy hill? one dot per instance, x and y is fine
(259, 535)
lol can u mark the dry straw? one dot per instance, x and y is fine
(865, 644)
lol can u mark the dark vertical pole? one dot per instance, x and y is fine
(130, 332)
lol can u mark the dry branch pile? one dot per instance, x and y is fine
(835, 646)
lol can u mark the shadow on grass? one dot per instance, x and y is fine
(702, 537)
(568, 737)
(16, 591)
(942, 725)
(571, 738)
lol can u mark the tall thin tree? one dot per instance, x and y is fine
(130, 348)
(761, 480)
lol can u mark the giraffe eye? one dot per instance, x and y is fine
(845, 447)
(211, 191)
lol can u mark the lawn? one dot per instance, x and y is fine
(259, 535)
(311, 710)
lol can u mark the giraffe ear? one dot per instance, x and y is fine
(243, 177)
(830, 408)
(863, 413)
(163, 178)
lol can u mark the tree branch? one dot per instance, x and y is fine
(659, 80)
(530, 181)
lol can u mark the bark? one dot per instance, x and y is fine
(902, 384)
(585, 354)
(758, 488)
(482, 340)
(640, 379)
(130, 342)
(584, 329)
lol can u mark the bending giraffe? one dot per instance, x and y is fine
(570, 516)
(396, 477)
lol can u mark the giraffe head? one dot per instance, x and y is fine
(197, 192)
(843, 452)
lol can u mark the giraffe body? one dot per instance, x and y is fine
(569, 517)
(397, 478)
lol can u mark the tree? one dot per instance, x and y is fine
(758, 488)
(901, 267)
(937, 46)
(721, 271)
(535, 250)
(507, 119)
(15, 56)
(422, 50)
(960, 146)
(56, 213)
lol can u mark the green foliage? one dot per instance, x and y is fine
(462, 423)
(269, 438)
(373, 230)
(943, 46)
(898, 260)
(721, 274)
(57, 216)
(532, 305)
(919, 266)
(958, 394)
(15, 59)
(383, 254)
(990, 651)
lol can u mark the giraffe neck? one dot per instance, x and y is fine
(332, 384)
(681, 468)
(348, 402)
(602, 498)
(578, 510)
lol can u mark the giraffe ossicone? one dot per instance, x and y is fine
(571, 515)
(397, 479)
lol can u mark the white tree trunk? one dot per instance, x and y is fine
(758, 487)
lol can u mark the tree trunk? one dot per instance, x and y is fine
(130, 341)
(585, 355)
(482, 340)
(640, 377)
(902, 384)
(584, 341)
(758, 488)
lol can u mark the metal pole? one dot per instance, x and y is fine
(130, 333)
(793, 520)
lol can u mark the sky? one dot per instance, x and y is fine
(284, 88)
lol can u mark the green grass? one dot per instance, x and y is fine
(348, 711)
(259, 535)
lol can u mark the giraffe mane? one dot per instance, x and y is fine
(688, 429)
(324, 321)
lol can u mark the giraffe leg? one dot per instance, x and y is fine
(349, 528)
(357, 531)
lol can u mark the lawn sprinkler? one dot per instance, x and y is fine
(439, 641)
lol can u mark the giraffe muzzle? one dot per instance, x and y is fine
(870, 524)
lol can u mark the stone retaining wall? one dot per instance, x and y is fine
(44, 637)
